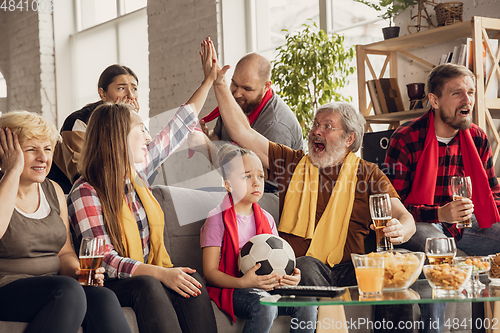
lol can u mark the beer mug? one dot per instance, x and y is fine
(91, 255)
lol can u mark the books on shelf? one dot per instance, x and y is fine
(464, 55)
(372, 90)
(385, 95)
(454, 57)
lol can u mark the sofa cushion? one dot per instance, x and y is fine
(185, 212)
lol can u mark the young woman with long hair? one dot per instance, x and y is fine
(112, 200)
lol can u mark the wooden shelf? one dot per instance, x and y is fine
(395, 116)
(423, 38)
(478, 28)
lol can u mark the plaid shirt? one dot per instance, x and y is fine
(406, 146)
(84, 206)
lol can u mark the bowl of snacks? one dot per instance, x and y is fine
(494, 273)
(401, 268)
(479, 265)
(450, 279)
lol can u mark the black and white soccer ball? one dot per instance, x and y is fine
(273, 253)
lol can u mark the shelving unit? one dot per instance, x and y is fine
(477, 28)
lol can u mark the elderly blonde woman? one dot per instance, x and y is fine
(38, 264)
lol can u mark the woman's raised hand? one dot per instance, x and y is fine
(208, 59)
(211, 68)
(11, 154)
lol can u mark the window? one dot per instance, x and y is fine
(104, 32)
(357, 22)
(93, 12)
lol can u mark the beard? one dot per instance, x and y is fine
(334, 153)
(249, 106)
(456, 121)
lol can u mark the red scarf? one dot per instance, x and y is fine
(252, 117)
(223, 297)
(424, 184)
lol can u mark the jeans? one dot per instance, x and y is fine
(59, 304)
(260, 318)
(159, 309)
(316, 273)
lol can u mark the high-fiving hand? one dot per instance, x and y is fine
(211, 67)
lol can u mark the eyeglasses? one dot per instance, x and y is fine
(327, 128)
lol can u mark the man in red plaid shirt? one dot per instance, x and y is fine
(452, 145)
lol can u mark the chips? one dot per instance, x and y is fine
(495, 266)
(400, 269)
(445, 276)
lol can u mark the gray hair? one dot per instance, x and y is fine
(352, 121)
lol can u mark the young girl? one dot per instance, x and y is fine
(228, 227)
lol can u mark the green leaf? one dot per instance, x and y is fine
(309, 69)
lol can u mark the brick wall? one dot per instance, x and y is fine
(27, 61)
(176, 29)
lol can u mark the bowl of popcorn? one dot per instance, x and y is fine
(494, 273)
(450, 279)
(401, 268)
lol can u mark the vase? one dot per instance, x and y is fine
(390, 32)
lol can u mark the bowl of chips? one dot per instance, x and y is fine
(401, 268)
(494, 273)
(448, 278)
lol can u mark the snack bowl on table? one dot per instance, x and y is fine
(448, 279)
(401, 268)
(479, 265)
(494, 273)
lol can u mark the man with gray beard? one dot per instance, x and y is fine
(323, 195)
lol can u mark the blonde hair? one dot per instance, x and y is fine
(29, 125)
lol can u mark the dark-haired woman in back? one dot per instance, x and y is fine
(116, 84)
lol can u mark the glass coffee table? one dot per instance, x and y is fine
(419, 292)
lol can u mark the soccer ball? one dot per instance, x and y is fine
(273, 253)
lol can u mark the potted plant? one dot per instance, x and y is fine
(390, 9)
(310, 69)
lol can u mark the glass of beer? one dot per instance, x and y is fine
(381, 212)
(91, 255)
(461, 187)
(440, 250)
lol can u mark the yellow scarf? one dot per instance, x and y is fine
(132, 240)
(299, 211)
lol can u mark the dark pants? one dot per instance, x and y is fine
(159, 309)
(316, 273)
(59, 304)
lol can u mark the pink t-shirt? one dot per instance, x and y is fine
(212, 232)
